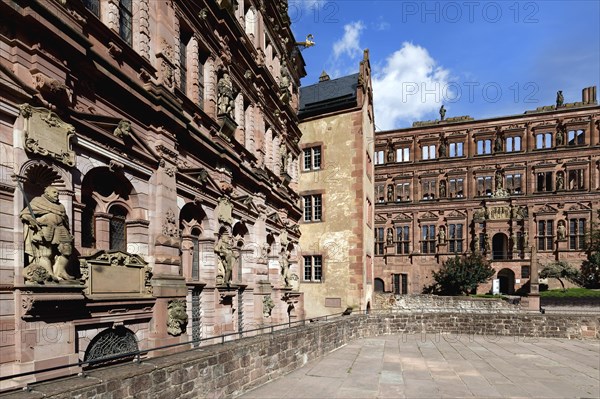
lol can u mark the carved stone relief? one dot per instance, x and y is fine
(177, 317)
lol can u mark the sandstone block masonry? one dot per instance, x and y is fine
(226, 370)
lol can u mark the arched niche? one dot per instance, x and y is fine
(195, 243)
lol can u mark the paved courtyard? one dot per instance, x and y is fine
(448, 366)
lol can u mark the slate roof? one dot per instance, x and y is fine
(330, 95)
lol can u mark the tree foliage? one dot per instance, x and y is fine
(590, 268)
(461, 275)
(561, 271)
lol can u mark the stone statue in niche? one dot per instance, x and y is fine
(443, 189)
(442, 236)
(225, 99)
(560, 181)
(443, 147)
(48, 241)
(177, 317)
(390, 237)
(560, 135)
(498, 143)
(283, 154)
(514, 242)
(390, 151)
(561, 230)
(498, 179)
(525, 240)
(284, 262)
(226, 257)
(390, 193)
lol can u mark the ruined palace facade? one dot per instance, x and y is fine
(499, 186)
(336, 188)
(148, 176)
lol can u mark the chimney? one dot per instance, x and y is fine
(588, 95)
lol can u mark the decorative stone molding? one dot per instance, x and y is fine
(169, 227)
(46, 134)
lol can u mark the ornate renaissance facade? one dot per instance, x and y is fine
(148, 176)
(336, 187)
(500, 186)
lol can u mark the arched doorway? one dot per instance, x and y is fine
(379, 285)
(507, 281)
(500, 246)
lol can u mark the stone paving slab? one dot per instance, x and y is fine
(434, 366)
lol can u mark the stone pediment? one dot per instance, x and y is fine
(275, 219)
(116, 133)
(454, 214)
(428, 216)
(402, 217)
(247, 202)
(202, 177)
(579, 208)
(380, 218)
(547, 209)
(115, 274)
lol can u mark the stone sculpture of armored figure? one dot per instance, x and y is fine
(559, 99)
(390, 151)
(285, 267)
(48, 241)
(498, 143)
(561, 230)
(560, 181)
(390, 237)
(442, 236)
(226, 258)
(225, 99)
(514, 242)
(443, 147)
(283, 153)
(443, 189)
(442, 112)
(498, 178)
(390, 193)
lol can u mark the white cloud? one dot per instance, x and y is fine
(409, 86)
(349, 44)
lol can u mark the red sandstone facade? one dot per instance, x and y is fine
(499, 186)
(166, 126)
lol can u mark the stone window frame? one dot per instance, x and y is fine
(93, 6)
(456, 178)
(400, 188)
(313, 195)
(311, 147)
(379, 157)
(432, 193)
(379, 240)
(485, 178)
(545, 242)
(400, 154)
(428, 236)
(402, 241)
(313, 258)
(431, 150)
(575, 129)
(456, 241)
(510, 187)
(545, 135)
(456, 143)
(577, 238)
(486, 146)
(513, 141)
(542, 186)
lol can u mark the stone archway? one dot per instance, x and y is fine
(379, 285)
(507, 281)
(500, 246)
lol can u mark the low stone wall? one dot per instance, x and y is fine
(433, 303)
(226, 370)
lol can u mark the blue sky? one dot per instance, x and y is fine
(478, 58)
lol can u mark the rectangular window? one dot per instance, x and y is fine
(576, 137)
(429, 189)
(312, 158)
(543, 140)
(484, 147)
(545, 235)
(455, 235)
(93, 6)
(428, 239)
(484, 185)
(312, 208)
(402, 240)
(379, 240)
(525, 272)
(457, 188)
(380, 192)
(544, 181)
(456, 150)
(402, 155)
(577, 234)
(513, 144)
(313, 268)
(379, 158)
(428, 152)
(576, 181)
(125, 21)
(513, 183)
